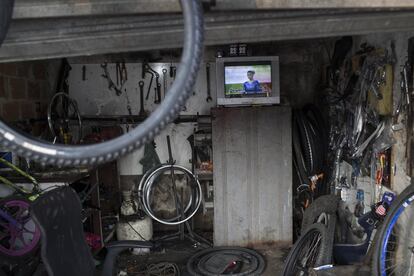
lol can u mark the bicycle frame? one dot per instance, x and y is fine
(30, 195)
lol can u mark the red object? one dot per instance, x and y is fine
(380, 210)
(93, 241)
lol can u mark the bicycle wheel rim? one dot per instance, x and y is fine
(181, 89)
(316, 237)
(386, 264)
(146, 186)
(28, 236)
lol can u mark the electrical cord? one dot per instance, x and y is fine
(181, 89)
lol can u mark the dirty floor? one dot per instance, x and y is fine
(179, 253)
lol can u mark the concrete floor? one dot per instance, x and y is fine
(179, 253)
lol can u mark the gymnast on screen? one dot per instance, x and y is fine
(251, 86)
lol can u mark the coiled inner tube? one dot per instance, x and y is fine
(210, 262)
(181, 89)
(146, 193)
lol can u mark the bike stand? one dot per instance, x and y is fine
(181, 234)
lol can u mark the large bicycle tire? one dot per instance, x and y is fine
(383, 235)
(6, 11)
(31, 248)
(321, 257)
(181, 89)
(326, 204)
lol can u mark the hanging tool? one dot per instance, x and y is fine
(146, 69)
(208, 99)
(142, 112)
(403, 101)
(111, 84)
(157, 99)
(121, 73)
(118, 72)
(84, 73)
(173, 71)
(164, 79)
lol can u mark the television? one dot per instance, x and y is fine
(247, 81)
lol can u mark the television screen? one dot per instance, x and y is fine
(248, 80)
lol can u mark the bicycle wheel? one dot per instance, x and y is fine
(19, 235)
(178, 93)
(312, 249)
(394, 246)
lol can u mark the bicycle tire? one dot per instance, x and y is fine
(6, 11)
(324, 204)
(181, 89)
(323, 255)
(402, 201)
(194, 269)
(306, 144)
(50, 111)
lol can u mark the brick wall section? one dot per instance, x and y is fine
(24, 90)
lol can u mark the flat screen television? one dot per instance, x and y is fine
(247, 81)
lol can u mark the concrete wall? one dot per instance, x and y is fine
(300, 64)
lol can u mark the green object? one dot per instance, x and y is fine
(150, 158)
(32, 195)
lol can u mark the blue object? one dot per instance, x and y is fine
(8, 156)
(388, 198)
(388, 231)
(360, 195)
(252, 87)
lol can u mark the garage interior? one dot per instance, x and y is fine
(297, 133)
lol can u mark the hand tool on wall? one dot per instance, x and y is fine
(164, 79)
(142, 112)
(208, 99)
(121, 74)
(111, 84)
(84, 73)
(157, 99)
(173, 71)
(146, 69)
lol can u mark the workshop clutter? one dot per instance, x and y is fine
(343, 157)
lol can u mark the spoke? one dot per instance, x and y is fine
(314, 247)
(28, 231)
(21, 238)
(12, 242)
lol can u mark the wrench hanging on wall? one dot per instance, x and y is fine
(209, 98)
(107, 76)
(146, 69)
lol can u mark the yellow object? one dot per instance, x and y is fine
(383, 106)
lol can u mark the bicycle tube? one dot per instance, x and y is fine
(181, 89)
(305, 142)
(383, 235)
